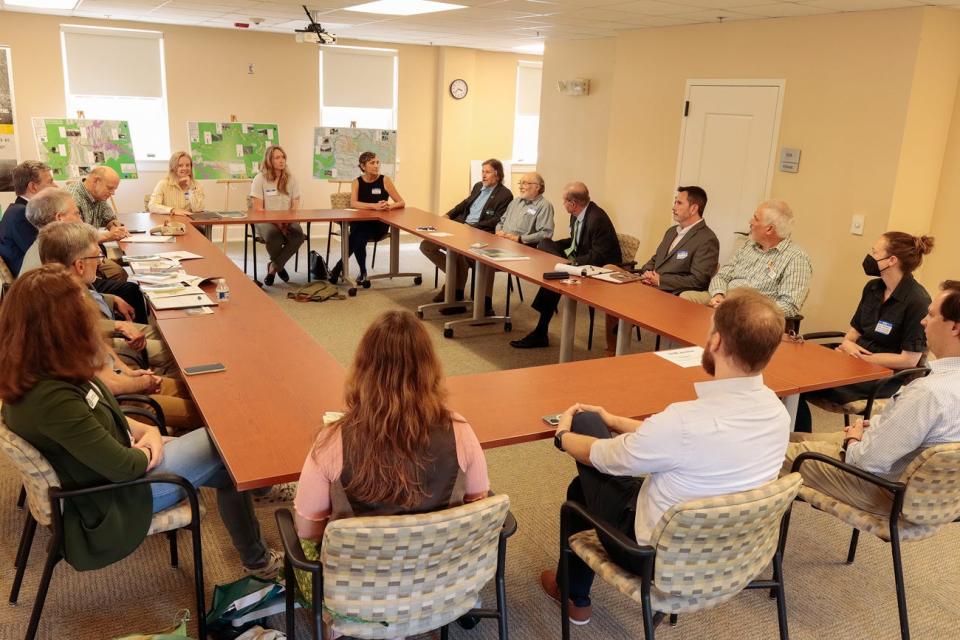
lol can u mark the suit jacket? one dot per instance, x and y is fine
(493, 210)
(87, 447)
(598, 239)
(16, 234)
(692, 262)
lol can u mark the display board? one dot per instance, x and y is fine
(8, 139)
(229, 150)
(336, 151)
(74, 147)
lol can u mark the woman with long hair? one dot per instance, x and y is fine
(53, 399)
(178, 193)
(275, 189)
(373, 191)
(885, 328)
(398, 447)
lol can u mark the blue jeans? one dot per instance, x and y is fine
(193, 457)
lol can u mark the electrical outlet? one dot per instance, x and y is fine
(856, 226)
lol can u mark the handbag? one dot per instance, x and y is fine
(318, 268)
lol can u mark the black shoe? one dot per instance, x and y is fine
(335, 273)
(284, 275)
(269, 279)
(488, 309)
(531, 341)
(362, 277)
(452, 311)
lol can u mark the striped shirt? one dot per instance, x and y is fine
(781, 273)
(924, 413)
(532, 220)
(98, 213)
(168, 195)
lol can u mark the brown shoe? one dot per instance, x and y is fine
(440, 296)
(578, 615)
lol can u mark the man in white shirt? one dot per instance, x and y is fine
(731, 438)
(924, 413)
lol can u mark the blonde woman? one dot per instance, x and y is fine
(275, 189)
(178, 193)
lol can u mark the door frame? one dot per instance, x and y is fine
(755, 82)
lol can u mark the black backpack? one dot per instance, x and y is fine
(318, 268)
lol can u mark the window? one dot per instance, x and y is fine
(358, 84)
(526, 124)
(134, 91)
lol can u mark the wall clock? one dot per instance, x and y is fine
(458, 89)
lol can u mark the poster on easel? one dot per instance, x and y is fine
(9, 156)
(336, 151)
(73, 146)
(229, 150)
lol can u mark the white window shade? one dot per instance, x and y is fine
(113, 62)
(529, 78)
(358, 78)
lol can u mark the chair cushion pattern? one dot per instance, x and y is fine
(340, 200)
(933, 486)
(415, 572)
(707, 550)
(37, 475)
(176, 517)
(857, 407)
(628, 246)
(864, 520)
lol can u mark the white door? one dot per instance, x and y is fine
(728, 147)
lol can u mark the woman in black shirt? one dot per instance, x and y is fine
(371, 190)
(885, 329)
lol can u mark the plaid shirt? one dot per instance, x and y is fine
(782, 274)
(96, 213)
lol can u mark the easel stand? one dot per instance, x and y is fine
(226, 203)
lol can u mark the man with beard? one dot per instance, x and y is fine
(731, 438)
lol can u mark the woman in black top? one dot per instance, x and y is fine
(885, 329)
(369, 191)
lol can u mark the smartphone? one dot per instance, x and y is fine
(204, 368)
(552, 419)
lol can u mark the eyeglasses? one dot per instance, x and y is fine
(527, 184)
(99, 258)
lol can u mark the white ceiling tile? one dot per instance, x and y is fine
(784, 10)
(860, 5)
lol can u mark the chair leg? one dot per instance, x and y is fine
(519, 289)
(445, 632)
(23, 554)
(53, 557)
(291, 581)
(319, 632)
(590, 330)
(649, 628)
(564, 579)
(656, 347)
(329, 239)
(308, 253)
(174, 552)
(22, 499)
(198, 578)
(846, 419)
(673, 619)
(473, 283)
(436, 277)
(852, 551)
(253, 242)
(781, 595)
(502, 590)
(898, 577)
(373, 260)
(509, 291)
(246, 236)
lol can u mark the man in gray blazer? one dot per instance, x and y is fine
(687, 256)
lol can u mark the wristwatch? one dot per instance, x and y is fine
(558, 438)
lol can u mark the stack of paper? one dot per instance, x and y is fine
(581, 270)
(499, 255)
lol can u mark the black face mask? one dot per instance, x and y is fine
(871, 267)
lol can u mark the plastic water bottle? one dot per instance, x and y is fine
(223, 291)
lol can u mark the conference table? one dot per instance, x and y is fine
(264, 410)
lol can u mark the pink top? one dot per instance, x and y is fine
(313, 500)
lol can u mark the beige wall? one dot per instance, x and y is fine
(868, 100)
(943, 263)
(202, 85)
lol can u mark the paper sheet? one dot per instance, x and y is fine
(146, 239)
(685, 357)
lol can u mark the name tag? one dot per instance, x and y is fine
(531, 211)
(92, 398)
(377, 191)
(186, 195)
(682, 255)
(883, 327)
(270, 192)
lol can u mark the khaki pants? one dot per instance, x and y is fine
(178, 409)
(158, 355)
(830, 480)
(700, 297)
(112, 270)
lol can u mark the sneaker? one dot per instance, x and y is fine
(578, 615)
(278, 494)
(270, 569)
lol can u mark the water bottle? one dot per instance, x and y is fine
(223, 291)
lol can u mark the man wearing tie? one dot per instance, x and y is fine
(592, 241)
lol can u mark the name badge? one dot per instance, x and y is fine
(376, 191)
(531, 211)
(682, 255)
(92, 398)
(883, 327)
(270, 192)
(186, 195)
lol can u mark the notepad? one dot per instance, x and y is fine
(146, 239)
(685, 357)
(182, 302)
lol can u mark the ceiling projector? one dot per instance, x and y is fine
(314, 32)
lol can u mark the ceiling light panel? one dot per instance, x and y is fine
(404, 7)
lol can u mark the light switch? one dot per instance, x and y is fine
(856, 226)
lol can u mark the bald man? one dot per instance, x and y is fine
(91, 195)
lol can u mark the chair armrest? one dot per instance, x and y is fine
(624, 543)
(903, 376)
(157, 478)
(509, 526)
(821, 335)
(147, 415)
(895, 487)
(158, 418)
(291, 543)
(630, 265)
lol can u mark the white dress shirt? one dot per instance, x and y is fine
(731, 438)
(681, 232)
(924, 413)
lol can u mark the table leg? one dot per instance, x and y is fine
(792, 403)
(449, 295)
(568, 311)
(484, 273)
(345, 257)
(395, 261)
(623, 336)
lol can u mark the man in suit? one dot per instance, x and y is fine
(592, 241)
(687, 256)
(482, 209)
(16, 233)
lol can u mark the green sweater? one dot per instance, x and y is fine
(87, 447)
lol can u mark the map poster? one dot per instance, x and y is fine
(74, 147)
(8, 141)
(336, 151)
(229, 150)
